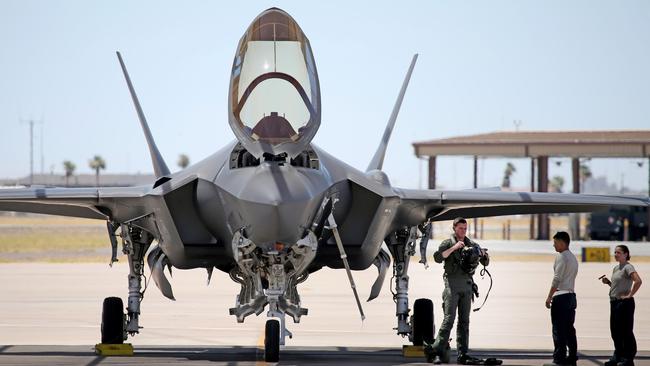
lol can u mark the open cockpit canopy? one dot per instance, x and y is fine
(274, 91)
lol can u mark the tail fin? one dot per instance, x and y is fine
(159, 166)
(378, 160)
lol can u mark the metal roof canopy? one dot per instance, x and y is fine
(539, 146)
(573, 144)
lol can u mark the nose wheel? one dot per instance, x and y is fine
(272, 341)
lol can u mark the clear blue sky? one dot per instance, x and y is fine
(552, 64)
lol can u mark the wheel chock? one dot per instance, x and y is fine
(412, 351)
(104, 349)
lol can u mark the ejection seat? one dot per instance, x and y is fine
(274, 129)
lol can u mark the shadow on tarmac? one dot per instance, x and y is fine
(196, 355)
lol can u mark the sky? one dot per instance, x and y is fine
(553, 65)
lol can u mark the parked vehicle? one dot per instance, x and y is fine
(610, 225)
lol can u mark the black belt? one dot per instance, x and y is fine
(616, 299)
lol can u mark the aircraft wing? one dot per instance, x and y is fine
(438, 205)
(91, 203)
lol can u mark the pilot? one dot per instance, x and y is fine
(461, 256)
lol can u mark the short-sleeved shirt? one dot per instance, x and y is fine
(621, 280)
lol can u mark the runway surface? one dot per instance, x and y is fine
(60, 304)
(209, 355)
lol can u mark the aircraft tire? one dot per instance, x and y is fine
(422, 322)
(272, 341)
(113, 321)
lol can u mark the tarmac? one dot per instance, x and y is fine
(51, 313)
(211, 355)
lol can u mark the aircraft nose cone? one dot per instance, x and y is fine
(275, 203)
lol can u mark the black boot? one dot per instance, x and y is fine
(465, 359)
(438, 352)
(431, 354)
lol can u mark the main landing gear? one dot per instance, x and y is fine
(116, 324)
(268, 276)
(418, 327)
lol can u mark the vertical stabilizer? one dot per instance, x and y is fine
(378, 160)
(159, 166)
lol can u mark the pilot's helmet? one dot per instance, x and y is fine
(469, 258)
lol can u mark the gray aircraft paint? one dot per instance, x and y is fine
(195, 215)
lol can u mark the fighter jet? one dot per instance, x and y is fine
(271, 207)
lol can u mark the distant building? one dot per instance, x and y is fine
(83, 180)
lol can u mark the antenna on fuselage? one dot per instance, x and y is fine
(378, 160)
(159, 166)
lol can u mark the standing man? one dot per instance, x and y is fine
(561, 300)
(461, 256)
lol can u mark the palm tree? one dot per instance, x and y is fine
(97, 163)
(556, 184)
(183, 161)
(510, 170)
(69, 168)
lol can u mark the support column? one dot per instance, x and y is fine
(475, 224)
(432, 172)
(574, 218)
(532, 189)
(575, 170)
(543, 224)
(647, 238)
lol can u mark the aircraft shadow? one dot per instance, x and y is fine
(237, 355)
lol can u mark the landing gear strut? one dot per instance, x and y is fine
(135, 243)
(419, 327)
(116, 325)
(401, 245)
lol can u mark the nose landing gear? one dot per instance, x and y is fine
(272, 341)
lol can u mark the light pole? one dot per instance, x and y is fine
(31, 148)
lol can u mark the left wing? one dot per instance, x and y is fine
(418, 206)
(91, 203)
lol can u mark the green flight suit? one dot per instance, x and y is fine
(457, 295)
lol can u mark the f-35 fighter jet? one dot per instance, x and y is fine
(271, 207)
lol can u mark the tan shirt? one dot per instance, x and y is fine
(621, 280)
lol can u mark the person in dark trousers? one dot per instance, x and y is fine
(461, 256)
(624, 284)
(561, 300)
